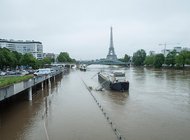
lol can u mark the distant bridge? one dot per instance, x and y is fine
(66, 64)
(105, 62)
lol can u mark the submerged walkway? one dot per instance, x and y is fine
(63, 110)
(75, 115)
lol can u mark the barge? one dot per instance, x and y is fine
(114, 81)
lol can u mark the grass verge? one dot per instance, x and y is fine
(6, 81)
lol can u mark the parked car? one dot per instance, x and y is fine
(11, 73)
(24, 72)
(31, 71)
(41, 72)
(2, 73)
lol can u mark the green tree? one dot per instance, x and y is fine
(126, 58)
(170, 58)
(28, 60)
(149, 60)
(73, 60)
(188, 58)
(7, 59)
(46, 60)
(158, 60)
(61, 58)
(139, 57)
(38, 64)
(18, 56)
(13, 60)
(64, 57)
(183, 58)
(1, 59)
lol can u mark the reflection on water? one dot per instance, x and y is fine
(157, 106)
(116, 97)
(19, 117)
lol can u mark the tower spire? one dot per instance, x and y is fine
(111, 53)
(111, 38)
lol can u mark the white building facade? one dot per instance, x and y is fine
(33, 47)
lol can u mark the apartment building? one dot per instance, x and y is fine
(33, 47)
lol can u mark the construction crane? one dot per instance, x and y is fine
(165, 44)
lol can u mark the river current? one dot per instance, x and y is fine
(156, 107)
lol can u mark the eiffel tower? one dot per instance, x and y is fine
(111, 54)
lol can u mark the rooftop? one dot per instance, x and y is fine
(19, 41)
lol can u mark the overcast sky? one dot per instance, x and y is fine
(82, 27)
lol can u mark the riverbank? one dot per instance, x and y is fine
(177, 68)
(187, 68)
(6, 81)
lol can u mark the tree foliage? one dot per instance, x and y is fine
(126, 58)
(12, 59)
(28, 60)
(170, 58)
(64, 57)
(158, 60)
(149, 60)
(47, 60)
(139, 57)
(18, 56)
(7, 59)
(183, 58)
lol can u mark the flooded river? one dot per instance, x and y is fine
(157, 107)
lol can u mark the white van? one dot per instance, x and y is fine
(41, 72)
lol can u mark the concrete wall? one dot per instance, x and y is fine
(18, 87)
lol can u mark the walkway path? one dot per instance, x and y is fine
(74, 115)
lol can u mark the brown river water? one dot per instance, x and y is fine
(156, 107)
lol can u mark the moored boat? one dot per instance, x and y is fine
(83, 67)
(114, 81)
